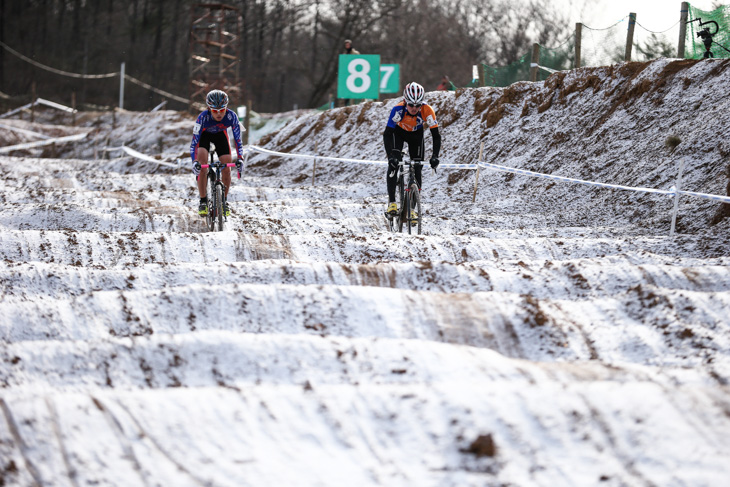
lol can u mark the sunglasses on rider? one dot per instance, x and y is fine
(415, 105)
(218, 110)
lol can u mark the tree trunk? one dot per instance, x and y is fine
(2, 39)
(158, 44)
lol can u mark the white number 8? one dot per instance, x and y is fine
(361, 74)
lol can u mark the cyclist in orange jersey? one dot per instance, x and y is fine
(406, 125)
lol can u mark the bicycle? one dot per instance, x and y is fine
(409, 196)
(216, 194)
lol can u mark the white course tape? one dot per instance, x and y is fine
(139, 155)
(39, 143)
(357, 161)
(496, 167)
(53, 104)
(549, 70)
(306, 156)
(714, 197)
(16, 110)
(26, 132)
(670, 192)
(39, 101)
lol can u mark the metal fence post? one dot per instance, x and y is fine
(121, 87)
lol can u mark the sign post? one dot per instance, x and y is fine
(358, 76)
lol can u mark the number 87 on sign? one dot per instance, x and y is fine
(358, 76)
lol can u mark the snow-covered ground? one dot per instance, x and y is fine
(545, 334)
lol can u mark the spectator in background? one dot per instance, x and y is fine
(349, 49)
(446, 84)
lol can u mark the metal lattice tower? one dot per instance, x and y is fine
(215, 32)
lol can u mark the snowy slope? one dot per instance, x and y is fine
(546, 334)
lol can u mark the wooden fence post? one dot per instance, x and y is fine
(314, 163)
(578, 36)
(676, 197)
(247, 122)
(630, 37)
(534, 62)
(482, 75)
(32, 101)
(682, 29)
(476, 180)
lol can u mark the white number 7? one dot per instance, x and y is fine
(385, 73)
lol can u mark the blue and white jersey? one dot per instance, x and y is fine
(206, 123)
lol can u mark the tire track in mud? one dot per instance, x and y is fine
(37, 479)
(111, 286)
(142, 247)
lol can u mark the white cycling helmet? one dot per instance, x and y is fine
(413, 93)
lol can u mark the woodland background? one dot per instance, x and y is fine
(288, 48)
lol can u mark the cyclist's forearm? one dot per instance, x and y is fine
(436, 136)
(388, 140)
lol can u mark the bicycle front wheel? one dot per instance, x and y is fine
(219, 207)
(415, 199)
(401, 205)
(210, 216)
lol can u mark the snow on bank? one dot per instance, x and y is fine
(545, 334)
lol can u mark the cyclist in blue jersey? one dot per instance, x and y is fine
(406, 126)
(212, 126)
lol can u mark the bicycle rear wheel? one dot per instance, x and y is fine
(218, 207)
(415, 204)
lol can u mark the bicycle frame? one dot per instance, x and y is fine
(216, 194)
(409, 197)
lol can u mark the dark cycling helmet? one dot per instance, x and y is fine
(413, 93)
(217, 99)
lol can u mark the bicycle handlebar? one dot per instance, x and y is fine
(218, 164)
(230, 164)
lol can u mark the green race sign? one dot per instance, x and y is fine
(390, 78)
(358, 76)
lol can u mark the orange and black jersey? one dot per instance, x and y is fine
(399, 117)
(404, 127)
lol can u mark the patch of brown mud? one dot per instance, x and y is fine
(511, 95)
(262, 247)
(627, 92)
(343, 114)
(375, 275)
(361, 118)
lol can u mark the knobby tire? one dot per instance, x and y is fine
(415, 198)
(219, 206)
(209, 218)
(401, 203)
